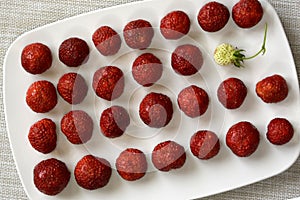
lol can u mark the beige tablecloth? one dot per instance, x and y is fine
(19, 16)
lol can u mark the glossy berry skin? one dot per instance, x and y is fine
(108, 83)
(213, 16)
(107, 41)
(77, 126)
(280, 131)
(138, 34)
(168, 155)
(232, 93)
(156, 110)
(72, 88)
(92, 172)
(247, 13)
(204, 144)
(131, 164)
(193, 101)
(175, 25)
(186, 60)
(51, 176)
(42, 135)
(41, 96)
(73, 52)
(272, 89)
(147, 69)
(36, 58)
(114, 121)
(243, 139)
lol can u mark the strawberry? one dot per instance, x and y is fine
(36, 58)
(131, 164)
(41, 96)
(186, 60)
(193, 101)
(51, 176)
(114, 121)
(168, 155)
(106, 40)
(247, 13)
(175, 25)
(204, 144)
(138, 34)
(280, 131)
(213, 16)
(108, 82)
(73, 52)
(156, 110)
(92, 172)
(147, 69)
(226, 54)
(72, 88)
(232, 93)
(243, 139)
(77, 126)
(42, 135)
(272, 89)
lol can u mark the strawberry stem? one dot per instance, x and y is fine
(263, 48)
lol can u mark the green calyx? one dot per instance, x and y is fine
(226, 54)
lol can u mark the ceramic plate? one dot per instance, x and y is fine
(196, 178)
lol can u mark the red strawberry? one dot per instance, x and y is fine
(147, 69)
(108, 82)
(106, 40)
(114, 121)
(247, 13)
(42, 136)
(74, 52)
(272, 89)
(72, 88)
(41, 96)
(175, 25)
(187, 59)
(168, 155)
(77, 126)
(51, 176)
(280, 131)
(193, 101)
(243, 139)
(92, 172)
(156, 110)
(36, 58)
(232, 93)
(138, 34)
(213, 16)
(205, 144)
(131, 164)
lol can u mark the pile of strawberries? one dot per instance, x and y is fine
(51, 176)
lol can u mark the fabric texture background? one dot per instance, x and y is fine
(19, 16)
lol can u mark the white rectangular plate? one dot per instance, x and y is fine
(197, 178)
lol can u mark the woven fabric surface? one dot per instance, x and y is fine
(19, 16)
